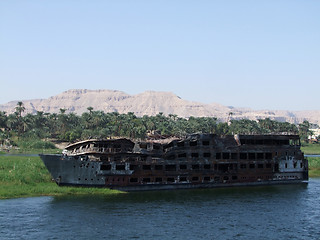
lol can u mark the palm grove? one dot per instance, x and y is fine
(98, 124)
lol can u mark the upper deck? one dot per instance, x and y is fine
(191, 142)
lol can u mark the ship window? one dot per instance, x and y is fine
(234, 155)
(117, 158)
(252, 155)
(182, 179)
(170, 179)
(301, 165)
(268, 141)
(180, 144)
(206, 166)
(215, 166)
(205, 143)
(195, 178)
(276, 167)
(158, 167)
(170, 167)
(194, 155)
(158, 179)
(243, 155)
(216, 179)
(218, 155)
(223, 167)
(243, 166)
(182, 155)
(234, 177)
(259, 155)
(105, 167)
(193, 143)
(251, 165)
(143, 145)
(183, 166)
(207, 155)
(146, 180)
(260, 165)
(295, 165)
(134, 167)
(225, 178)
(146, 167)
(171, 157)
(206, 179)
(268, 165)
(268, 155)
(286, 165)
(104, 158)
(156, 147)
(225, 155)
(120, 167)
(195, 166)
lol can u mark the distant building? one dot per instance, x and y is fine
(316, 135)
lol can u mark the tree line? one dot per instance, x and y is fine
(98, 124)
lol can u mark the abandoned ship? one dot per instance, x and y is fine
(196, 161)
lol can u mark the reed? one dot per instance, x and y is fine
(22, 176)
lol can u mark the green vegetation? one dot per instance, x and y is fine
(314, 166)
(27, 177)
(26, 131)
(311, 148)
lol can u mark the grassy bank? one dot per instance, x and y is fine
(312, 149)
(314, 166)
(27, 176)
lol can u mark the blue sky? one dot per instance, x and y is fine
(256, 54)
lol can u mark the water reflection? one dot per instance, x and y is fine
(202, 195)
(271, 212)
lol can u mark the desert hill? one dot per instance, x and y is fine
(151, 103)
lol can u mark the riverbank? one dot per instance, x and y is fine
(311, 149)
(314, 166)
(25, 176)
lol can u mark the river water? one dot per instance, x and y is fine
(272, 212)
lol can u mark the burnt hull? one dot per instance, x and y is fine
(204, 161)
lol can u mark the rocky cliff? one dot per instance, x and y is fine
(150, 103)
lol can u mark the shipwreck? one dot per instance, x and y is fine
(195, 161)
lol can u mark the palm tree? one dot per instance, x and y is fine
(20, 108)
(90, 109)
(3, 120)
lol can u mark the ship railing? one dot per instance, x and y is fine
(98, 150)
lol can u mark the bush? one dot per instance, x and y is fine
(35, 144)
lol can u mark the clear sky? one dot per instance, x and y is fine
(257, 54)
